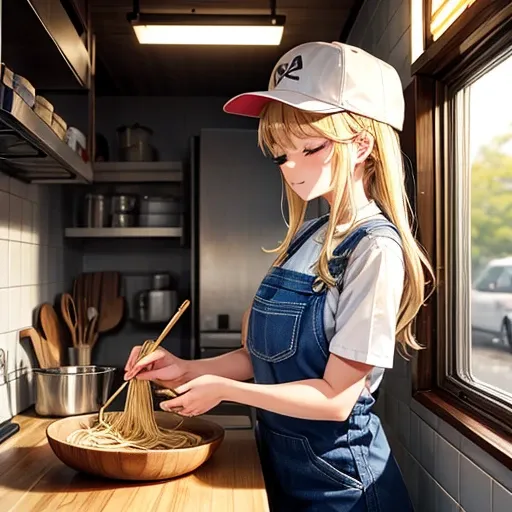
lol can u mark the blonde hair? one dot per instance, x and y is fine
(383, 180)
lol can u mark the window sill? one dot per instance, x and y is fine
(496, 443)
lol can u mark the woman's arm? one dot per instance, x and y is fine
(234, 365)
(330, 398)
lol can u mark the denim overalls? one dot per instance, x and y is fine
(314, 465)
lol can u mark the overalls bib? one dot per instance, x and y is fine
(309, 465)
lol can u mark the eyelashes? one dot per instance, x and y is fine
(315, 150)
(282, 159)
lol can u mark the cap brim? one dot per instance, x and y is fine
(251, 104)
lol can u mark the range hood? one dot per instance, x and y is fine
(40, 42)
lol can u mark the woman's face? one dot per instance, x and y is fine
(307, 168)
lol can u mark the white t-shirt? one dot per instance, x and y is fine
(360, 323)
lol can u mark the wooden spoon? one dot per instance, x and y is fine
(52, 333)
(39, 345)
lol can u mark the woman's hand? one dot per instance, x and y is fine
(160, 366)
(198, 395)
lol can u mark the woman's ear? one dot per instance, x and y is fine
(364, 143)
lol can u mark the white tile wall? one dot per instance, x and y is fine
(31, 272)
(444, 471)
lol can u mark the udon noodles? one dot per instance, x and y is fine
(135, 427)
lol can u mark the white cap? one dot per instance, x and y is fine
(327, 78)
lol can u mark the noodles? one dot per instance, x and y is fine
(136, 427)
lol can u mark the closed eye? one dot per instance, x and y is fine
(280, 160)
(315, 150)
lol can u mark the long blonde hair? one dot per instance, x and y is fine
(384, 182)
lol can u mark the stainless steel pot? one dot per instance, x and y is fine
(123, 204)
(72, 390)
(155, 306)
(161, 281)
(96, 213)
(123, 220)
(134, 143)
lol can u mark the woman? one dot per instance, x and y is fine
(323, 324)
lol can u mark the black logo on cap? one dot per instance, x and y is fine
(287, 69)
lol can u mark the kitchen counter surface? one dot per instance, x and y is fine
(32, 478)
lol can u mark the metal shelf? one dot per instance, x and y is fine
(138, 172)
(136, 232)
(42, 157)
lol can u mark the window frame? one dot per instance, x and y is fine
(428, 38)
(466, 46)
(469, 30)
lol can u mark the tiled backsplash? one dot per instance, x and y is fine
(31, 272)
(444, 471)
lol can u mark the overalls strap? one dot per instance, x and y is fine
(307, 233)
(342, 253)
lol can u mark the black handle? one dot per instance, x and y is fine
(7, 429)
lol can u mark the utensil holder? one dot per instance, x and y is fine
(80, 356)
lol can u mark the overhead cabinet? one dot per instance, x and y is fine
(41, 43)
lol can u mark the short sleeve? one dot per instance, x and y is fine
(368, 305)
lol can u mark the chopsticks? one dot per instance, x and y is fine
(154, 346)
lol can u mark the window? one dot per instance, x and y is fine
(482, 229)
(430, 19)
(463, 113)
(443, 13)
(436, 27)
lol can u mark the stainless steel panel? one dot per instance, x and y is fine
(220, 339)
(239, 203)
(207, 352)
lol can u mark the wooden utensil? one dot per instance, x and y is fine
(68, 310)
(52, 333)
(111, 314)
(96, 290)
(90, 331)
(39, 345)
(99, 290)
(111, 306)
(79, 299)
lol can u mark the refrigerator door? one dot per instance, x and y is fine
(239, 214)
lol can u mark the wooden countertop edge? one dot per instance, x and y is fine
(30, 480)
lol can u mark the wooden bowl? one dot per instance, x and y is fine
(126, 464)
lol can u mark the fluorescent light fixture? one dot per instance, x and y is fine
(204, 29)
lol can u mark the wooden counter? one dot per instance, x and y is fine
(32, 478)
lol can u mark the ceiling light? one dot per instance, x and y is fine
(206, 29)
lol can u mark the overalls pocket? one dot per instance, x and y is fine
(274, 328)
(298, 467)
